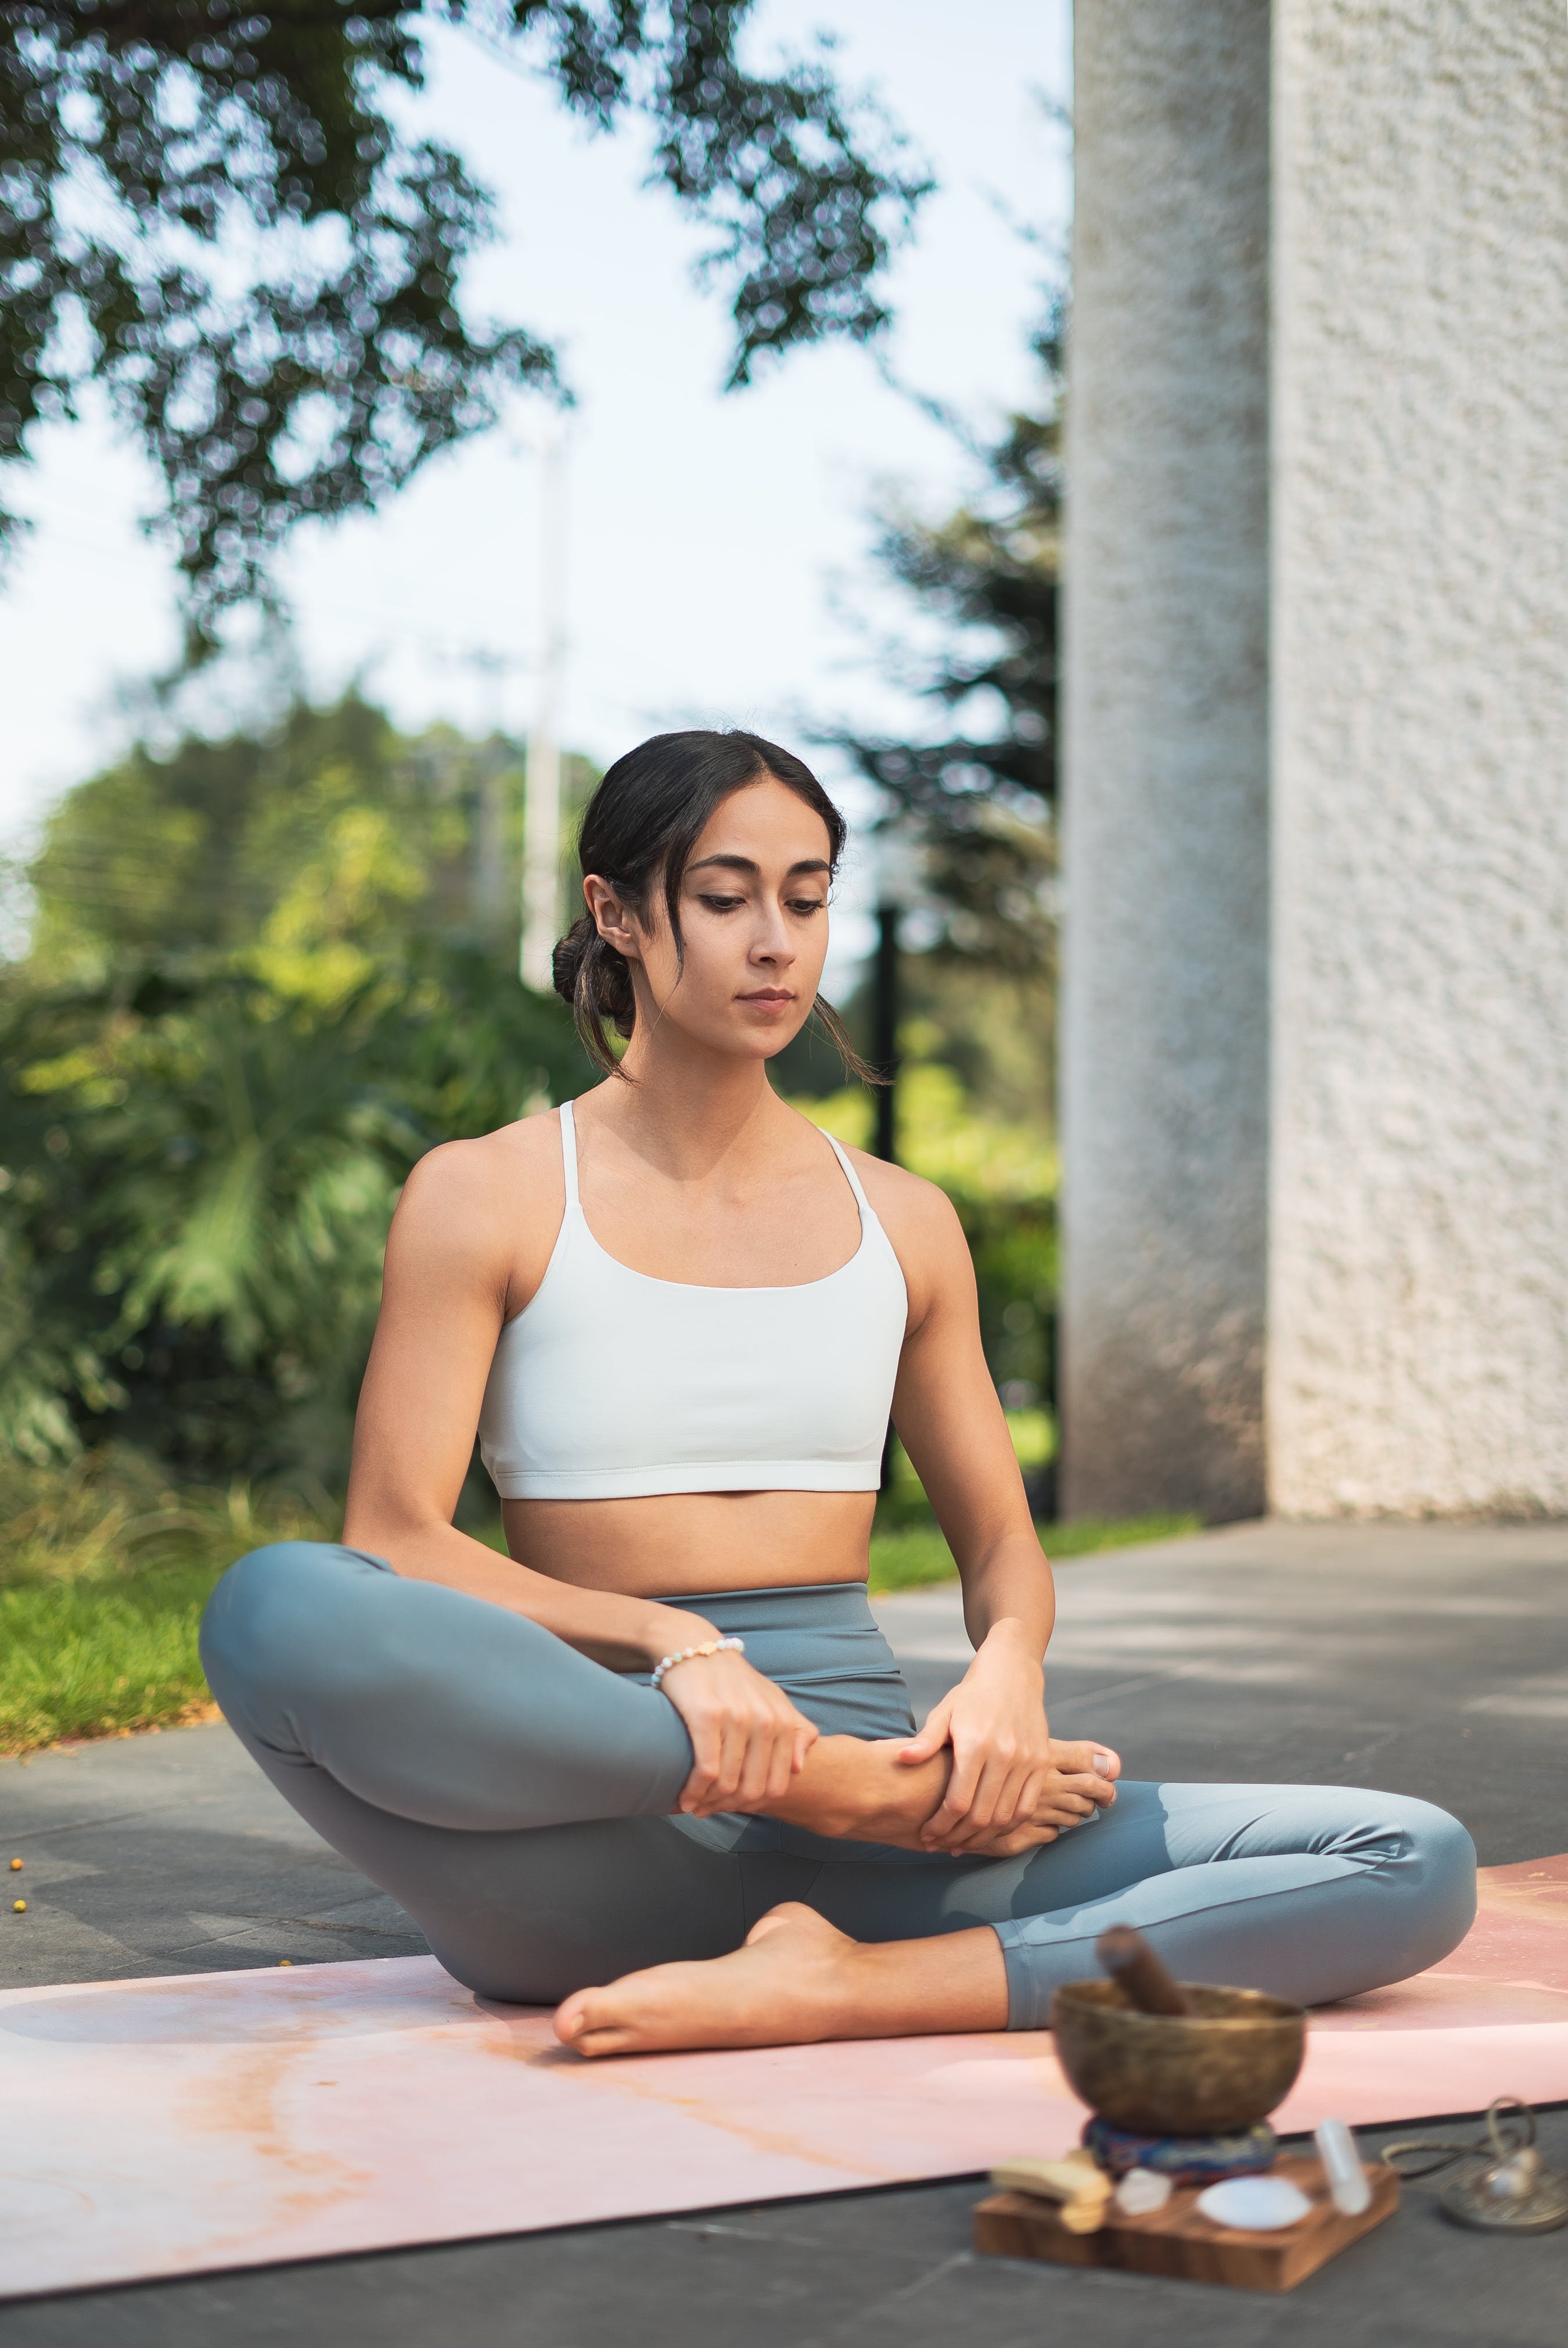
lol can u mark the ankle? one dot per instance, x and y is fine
(857, 1789)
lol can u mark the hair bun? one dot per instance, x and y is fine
(566, 960)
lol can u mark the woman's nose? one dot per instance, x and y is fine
(774, 943)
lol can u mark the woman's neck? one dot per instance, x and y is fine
(687, 1110)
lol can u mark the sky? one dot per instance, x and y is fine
(717, 544)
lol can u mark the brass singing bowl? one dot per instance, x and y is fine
(1221, 2068)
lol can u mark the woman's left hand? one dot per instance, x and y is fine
(1006, 1774)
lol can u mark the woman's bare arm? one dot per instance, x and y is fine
(468, 1246)
(1006, 1774)
(475, 1217)
(950, 1421)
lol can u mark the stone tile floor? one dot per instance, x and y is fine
(1430, 1659)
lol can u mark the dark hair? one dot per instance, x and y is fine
(638, 828)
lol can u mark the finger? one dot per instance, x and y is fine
(782, 1765)
(959, 1799)
(1015, 1805)
(928, 1742)
(985, 1810)
(950, 1827)
(704, 1765)
(1032, 1795)
(732, 1767)
(723, 1772)
(1014, 1813)
(757, 1761)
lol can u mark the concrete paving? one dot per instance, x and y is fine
(1432, 1659)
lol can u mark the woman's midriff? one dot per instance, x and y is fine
(680, 1544)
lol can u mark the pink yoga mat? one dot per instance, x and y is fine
(161, 2127)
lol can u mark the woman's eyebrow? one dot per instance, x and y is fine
(746, 864)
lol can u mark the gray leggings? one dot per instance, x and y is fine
(515, 1797)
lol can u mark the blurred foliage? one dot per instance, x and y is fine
(258, 992)
(266, 974)
(980, 794)
(214, 211)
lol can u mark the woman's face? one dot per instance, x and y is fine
(754, 917)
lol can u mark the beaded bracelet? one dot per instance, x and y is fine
(686, 1654)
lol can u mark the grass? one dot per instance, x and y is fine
(910, 1556)
(83, 1661)
(105, 1569)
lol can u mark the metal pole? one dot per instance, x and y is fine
(487, 884)
(541, 806)
(884, 1029)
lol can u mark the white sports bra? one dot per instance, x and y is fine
(612, 1384)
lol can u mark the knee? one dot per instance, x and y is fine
(269, 1612)
(1430, 1868)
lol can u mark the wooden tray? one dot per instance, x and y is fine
(1175, 2240)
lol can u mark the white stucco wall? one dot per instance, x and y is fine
(1164, 1004)
(1418, 1355)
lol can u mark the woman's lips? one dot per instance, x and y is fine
(768, 996)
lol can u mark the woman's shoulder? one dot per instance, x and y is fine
(493, 1188)
(897, 1196)
(527, 1148)
(918, 1216)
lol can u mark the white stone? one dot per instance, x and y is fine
(1142, 2191)
(1255, 2205)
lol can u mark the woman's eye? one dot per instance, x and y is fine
(808, 905)
(722, 904)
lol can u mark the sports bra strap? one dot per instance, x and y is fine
(861, 1200)
(568, 1162)
(569, 1153)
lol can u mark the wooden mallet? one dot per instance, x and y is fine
(1136, 1969)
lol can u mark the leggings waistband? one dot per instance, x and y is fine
(797, 1608)
(811, 1636)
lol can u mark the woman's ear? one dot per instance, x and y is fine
(611, 918)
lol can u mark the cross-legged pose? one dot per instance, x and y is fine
(657, 1766)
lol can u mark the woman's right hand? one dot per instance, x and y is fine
(747, 1737)
(1069, 1794)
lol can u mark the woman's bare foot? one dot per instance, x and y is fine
(796, 1980)
(859, 1789)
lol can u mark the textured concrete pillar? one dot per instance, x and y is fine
(1165, 980)
(1330, 1127)
(1418, 1274)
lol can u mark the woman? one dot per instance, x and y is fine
(659, 1764)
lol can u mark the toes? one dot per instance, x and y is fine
(588, 2024)
(571, 2018)
(1085, 1758)
(604, 2042)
